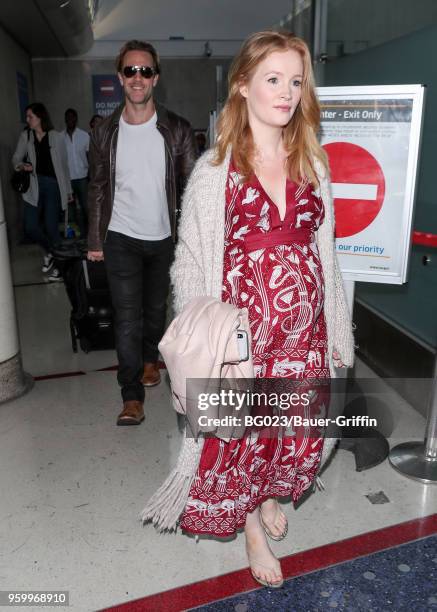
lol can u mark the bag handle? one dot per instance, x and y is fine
(26, 158)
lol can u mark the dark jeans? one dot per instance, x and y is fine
(41, 223)
(138, 275)
(80, 190)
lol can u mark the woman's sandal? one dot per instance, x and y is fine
(271, 585)
(279, 537)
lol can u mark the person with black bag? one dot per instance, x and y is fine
(41, 152)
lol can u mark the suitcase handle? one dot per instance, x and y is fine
(85, 274)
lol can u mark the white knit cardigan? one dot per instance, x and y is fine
(198, 271)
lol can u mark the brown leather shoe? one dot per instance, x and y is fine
(132, 413)
(151, 376)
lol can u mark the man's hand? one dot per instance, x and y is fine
(95, 255)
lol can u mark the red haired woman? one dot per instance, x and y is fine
(257, 231)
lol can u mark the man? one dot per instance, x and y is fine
(77, 142)
(140, 159)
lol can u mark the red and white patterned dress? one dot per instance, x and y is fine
(271, 267)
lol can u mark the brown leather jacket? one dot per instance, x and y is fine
(180, 156)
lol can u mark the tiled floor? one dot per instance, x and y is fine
(73, 483)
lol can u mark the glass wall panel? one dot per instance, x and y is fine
(355, 25)
(299, 20)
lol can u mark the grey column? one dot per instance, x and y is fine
(13, 381)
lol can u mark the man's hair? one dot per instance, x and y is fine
(138, 45)
(40, 111)
(71, 111)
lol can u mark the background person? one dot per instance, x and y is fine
(201, 142)
(140, 159)
(257, 231)
(95, 121)
(77, 143)
(50, 188)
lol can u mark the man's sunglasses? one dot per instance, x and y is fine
(146, 71)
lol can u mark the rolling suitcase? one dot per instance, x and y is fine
(91, 322)
(91, 318)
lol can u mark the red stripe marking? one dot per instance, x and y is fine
(60, 375)
(161, 366)
(213, 589)
(425, 239)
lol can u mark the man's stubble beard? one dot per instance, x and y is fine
(146, 98)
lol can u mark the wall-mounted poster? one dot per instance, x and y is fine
(107, 94)
(372, 138)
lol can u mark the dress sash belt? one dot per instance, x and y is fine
(286, 237)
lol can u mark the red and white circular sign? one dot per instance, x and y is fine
(107, 88)
(358, 187)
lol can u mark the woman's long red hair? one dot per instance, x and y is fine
(299, 135)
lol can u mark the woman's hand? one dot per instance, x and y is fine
(95, 255)
(337, 359)
(26, 167)
(70, 197)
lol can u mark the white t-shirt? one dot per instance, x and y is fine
(140, 201)
(77, 149)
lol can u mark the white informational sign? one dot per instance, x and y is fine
(372, 137)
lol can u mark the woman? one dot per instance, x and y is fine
(257, 231)
(45, 157)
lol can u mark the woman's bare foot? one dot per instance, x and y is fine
(273, 519)
(264, 566)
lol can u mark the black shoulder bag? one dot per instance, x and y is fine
(20, 179)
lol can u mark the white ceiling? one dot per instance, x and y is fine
(225, 23)
(211, 19)
(46, 28)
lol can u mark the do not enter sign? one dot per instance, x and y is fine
(107, 88)
(358, 187)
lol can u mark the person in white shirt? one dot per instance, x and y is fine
(140, 159)
(77, 142)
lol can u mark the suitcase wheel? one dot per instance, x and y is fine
(73, 334)
(85, 345)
